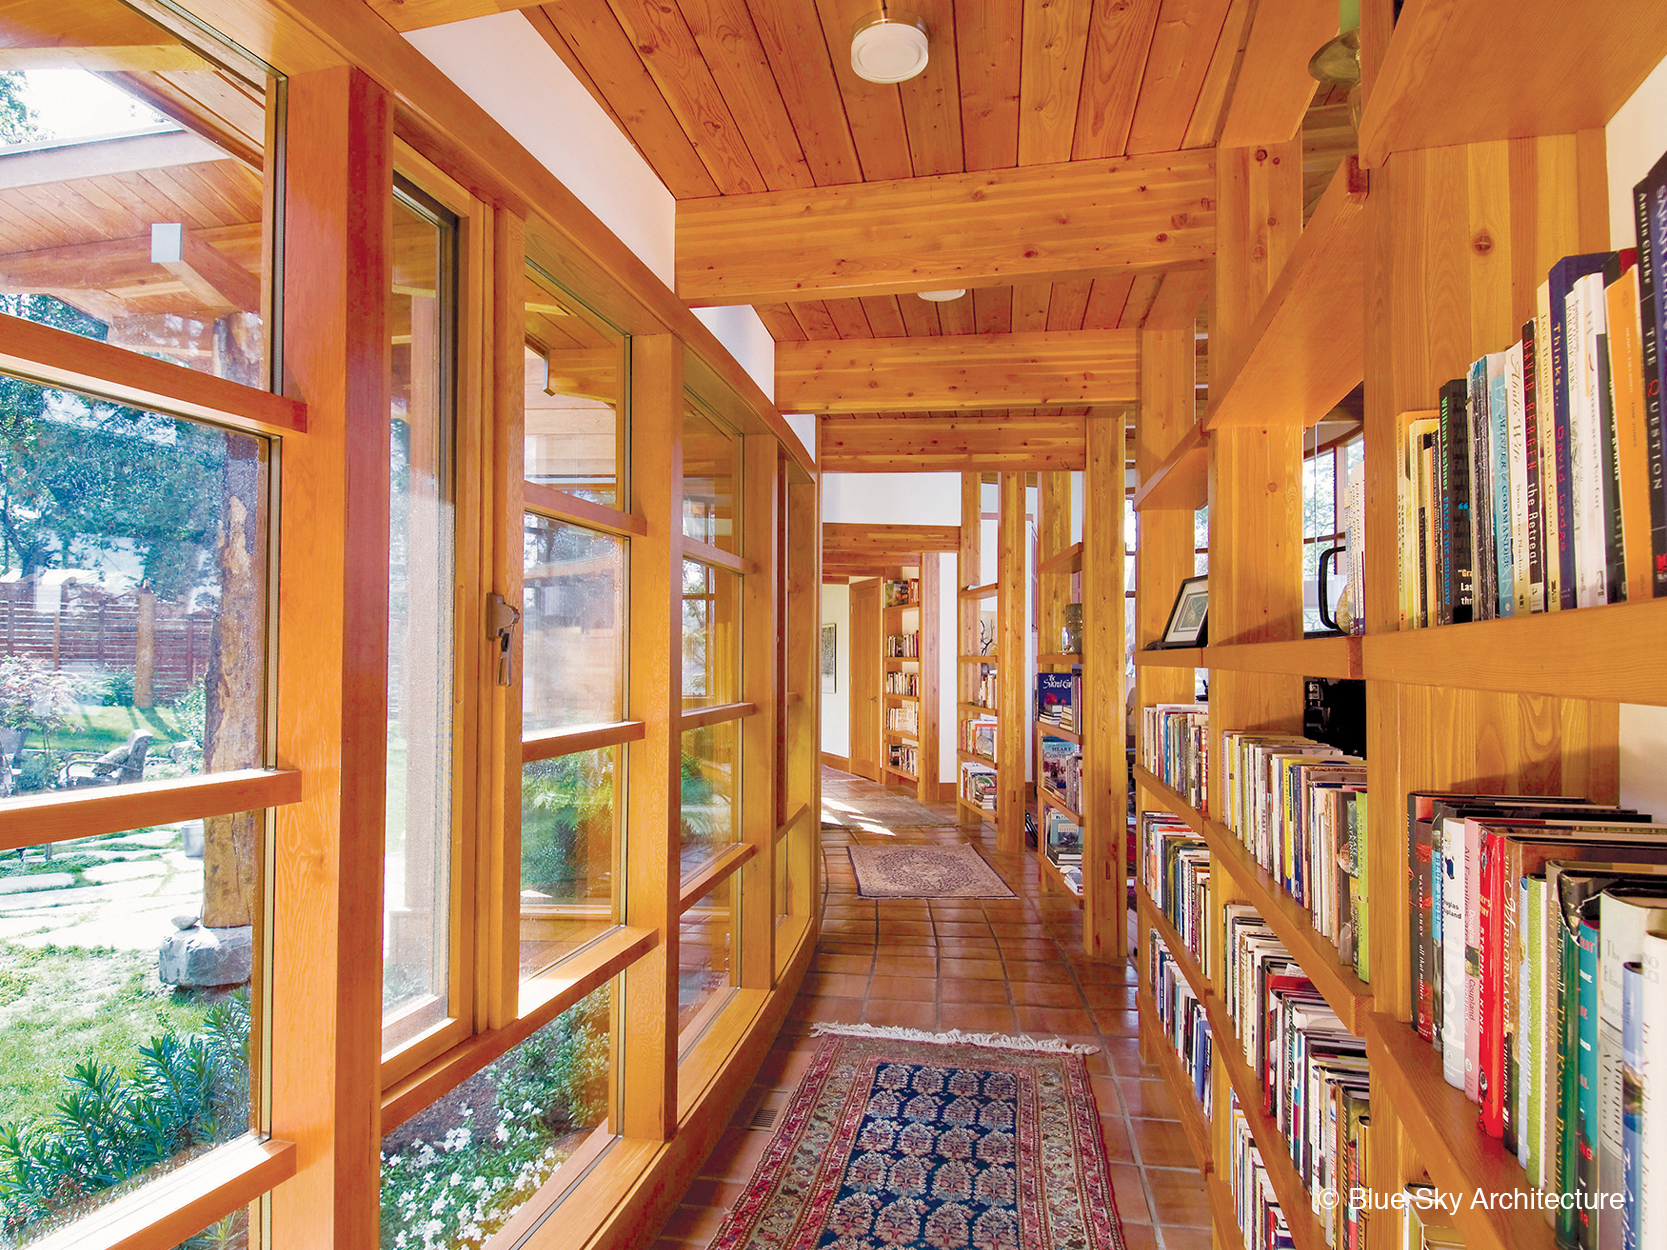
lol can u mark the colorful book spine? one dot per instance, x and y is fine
(1481, 495)
(1632, 1101)
(1535, 521)
(1652, 1179)
(1650, 206)
(1632, 461)
(1562, 278)
(1586, 1068)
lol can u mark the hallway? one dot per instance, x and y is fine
(1007, 966)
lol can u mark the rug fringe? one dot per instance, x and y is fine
(996, 1041)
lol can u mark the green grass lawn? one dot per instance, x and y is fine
(98, 729)
(59, 1008)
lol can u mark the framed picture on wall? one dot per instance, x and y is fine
(830, 666)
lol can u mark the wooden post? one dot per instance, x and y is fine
(753, 940)
(926, 719)
(1012, 662)
(332, 676)
(647, 1046)
(969, 573)
(144, 651)
(1105, 777)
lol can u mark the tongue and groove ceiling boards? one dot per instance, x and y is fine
(1056, 158)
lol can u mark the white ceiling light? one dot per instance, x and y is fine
(943, 297)
(888, 46)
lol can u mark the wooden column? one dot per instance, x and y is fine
(1255, 472)
(969, 573)
(754, 936)
(646, 1043)
(1105, 775)
(1164, 541)
(804, 694)
(332, 668)
(1012, 663)
(927, 728)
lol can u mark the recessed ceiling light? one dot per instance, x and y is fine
(888, 46)
(943, 297)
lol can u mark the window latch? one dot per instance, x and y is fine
(504, 618)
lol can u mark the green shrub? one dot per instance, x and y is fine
(185, 1094)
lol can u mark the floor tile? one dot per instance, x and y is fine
(905, 989)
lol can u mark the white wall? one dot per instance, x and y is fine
(836, 706)
(891, 498)
(1636, 138)
(739, 328)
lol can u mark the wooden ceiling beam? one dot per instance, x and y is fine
(886, 541)
(405, 15)
(872, 443)
(1033, 224)
(958, 373)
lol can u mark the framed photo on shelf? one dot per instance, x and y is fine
(1189, 619)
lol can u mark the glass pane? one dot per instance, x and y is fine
(228, 1233)
(574, 436)
(709, 476)
(453, 1174)
(132, 185)
(710, 784)
(711, 636)
(125, 1050)
(573, 625)
(133, 587)
(420, 578)
(569, 809)
(703, 961)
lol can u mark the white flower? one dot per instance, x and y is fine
(501, 1133)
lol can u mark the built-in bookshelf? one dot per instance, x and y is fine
(1406, 273)
(908, 677)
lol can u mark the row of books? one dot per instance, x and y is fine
(1174, 748)
(899, 682)
(1175, 871)
(1316, 1084)
(1186, 1025)
(1059, 771)
(1057, 698)
(903, 646)
(978, 737)
(903, 720)
(1262, 1223)
(984, 690)
(1537, 486)
(978, 785)
(1060, 833)
(900, 594)
(1299, 807)
(904, 756)
(1351, 609)
(1531, 917)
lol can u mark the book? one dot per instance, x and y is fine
(1481, 490)
(1649, 199)
(1652, 1167)
(1632, 460)
(1632, 1100)
(1534, 525)
(1587, 1214)
(1545, 420)
(1453, 469)
(1517, 499)
(1625, 914)
(1561, 281)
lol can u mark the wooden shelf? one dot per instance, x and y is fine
(897, 735)
(972, 757)
(1183, 479)
(1067, 561)
(1058, 660)
(1044, 795)
(1340, 656)
(1611, 653)
(1440, 1125)
(1306, 1233)
(1054, 731)
(978, 710)
(1051, 875)
(986, 591)
(1307, 347)
(902, 659)
(904, 698)
(1151, 914)
(981, 659)
(1348, 995)
(1551, 69)
(979, 813)
(898, 772)
(1195, 1126)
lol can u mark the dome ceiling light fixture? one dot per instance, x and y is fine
(943, 297)
(888, 46)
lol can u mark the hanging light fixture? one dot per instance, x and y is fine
(943, 297)
(1337, 63)
(888, 46)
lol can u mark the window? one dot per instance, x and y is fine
(573, 625)
(137, 188)
(709, 481)
(575, 439)
(417, 890)
(711, 636)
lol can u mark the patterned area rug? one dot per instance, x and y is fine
(925, 872)
(899, 1141)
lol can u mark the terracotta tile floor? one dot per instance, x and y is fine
(993, 966)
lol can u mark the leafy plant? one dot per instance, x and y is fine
(560, 800)
(186, 1094)
(33, 696)
(118, 688)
